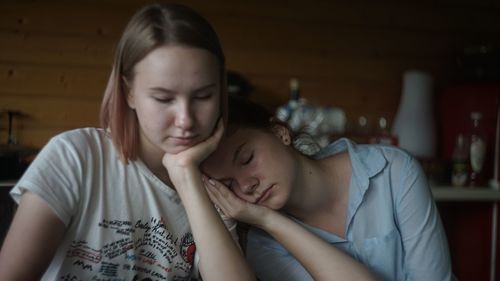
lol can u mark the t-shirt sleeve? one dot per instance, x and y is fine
(271, 261)
(426, 254)
(54, 176)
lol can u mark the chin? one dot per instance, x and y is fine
(175, 150)
(172, 148)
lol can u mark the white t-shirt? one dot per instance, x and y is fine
(122, 222)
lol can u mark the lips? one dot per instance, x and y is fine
(265, 195)
(184, 140)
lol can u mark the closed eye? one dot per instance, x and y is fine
(164, 100)
(248, 160)
(203, 95)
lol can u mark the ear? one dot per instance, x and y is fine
(128, 92)
(282, 132)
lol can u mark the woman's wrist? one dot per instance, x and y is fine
(270, 220)
(185, 179)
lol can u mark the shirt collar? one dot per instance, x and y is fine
(366, 162)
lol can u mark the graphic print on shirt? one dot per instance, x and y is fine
(188, 248)
(143, 249)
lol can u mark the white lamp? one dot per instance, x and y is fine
(414, 124)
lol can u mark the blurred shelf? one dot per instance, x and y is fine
(7, 183)
(451, 193)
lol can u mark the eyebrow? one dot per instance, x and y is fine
(169, 91)
(237, 152)
(161, 90)
(212, 85)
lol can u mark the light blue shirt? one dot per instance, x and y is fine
(392, 227)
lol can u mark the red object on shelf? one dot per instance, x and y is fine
(468, 225)
(454, 107)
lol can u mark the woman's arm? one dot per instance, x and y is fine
(220, 257)
(31, 242)
(321, 259)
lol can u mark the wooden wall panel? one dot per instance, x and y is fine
(48, 80)
(46, 116)
(50, 49)
(55, 112)
(351, 54)
(34, 137)
(60, 17)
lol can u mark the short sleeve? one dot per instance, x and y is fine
(55, 177)
(426, 254)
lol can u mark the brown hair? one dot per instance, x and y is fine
(243, 113)
(153, 26)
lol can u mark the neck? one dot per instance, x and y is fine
(321, 187)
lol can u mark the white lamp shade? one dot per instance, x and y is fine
(414, 124)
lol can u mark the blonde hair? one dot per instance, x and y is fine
(153, 26)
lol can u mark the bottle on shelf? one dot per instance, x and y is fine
(294, 89)
(382, 134)
(285, 113)
(459, 160)
(477, 150)
(361, 133)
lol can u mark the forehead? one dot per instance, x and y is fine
(221, 160)
(170, 64)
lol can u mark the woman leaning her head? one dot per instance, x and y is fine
(348, 211)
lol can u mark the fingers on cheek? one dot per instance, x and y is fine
(211, 195)
(212, 192)
(209, 184)
(220, 189)
(228, 195)
(212, 185)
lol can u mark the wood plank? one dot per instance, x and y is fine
(90, 82)
(96, 52)
(307, 38)
(268, 32)
(34, 137)
(93, 51)
(421, 15)
(312, 37)
(57, 17)
(53, 113)
(50, 81)
(110, 17)
(290, 64)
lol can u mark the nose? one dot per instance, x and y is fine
(184, 118)
(248, 185)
